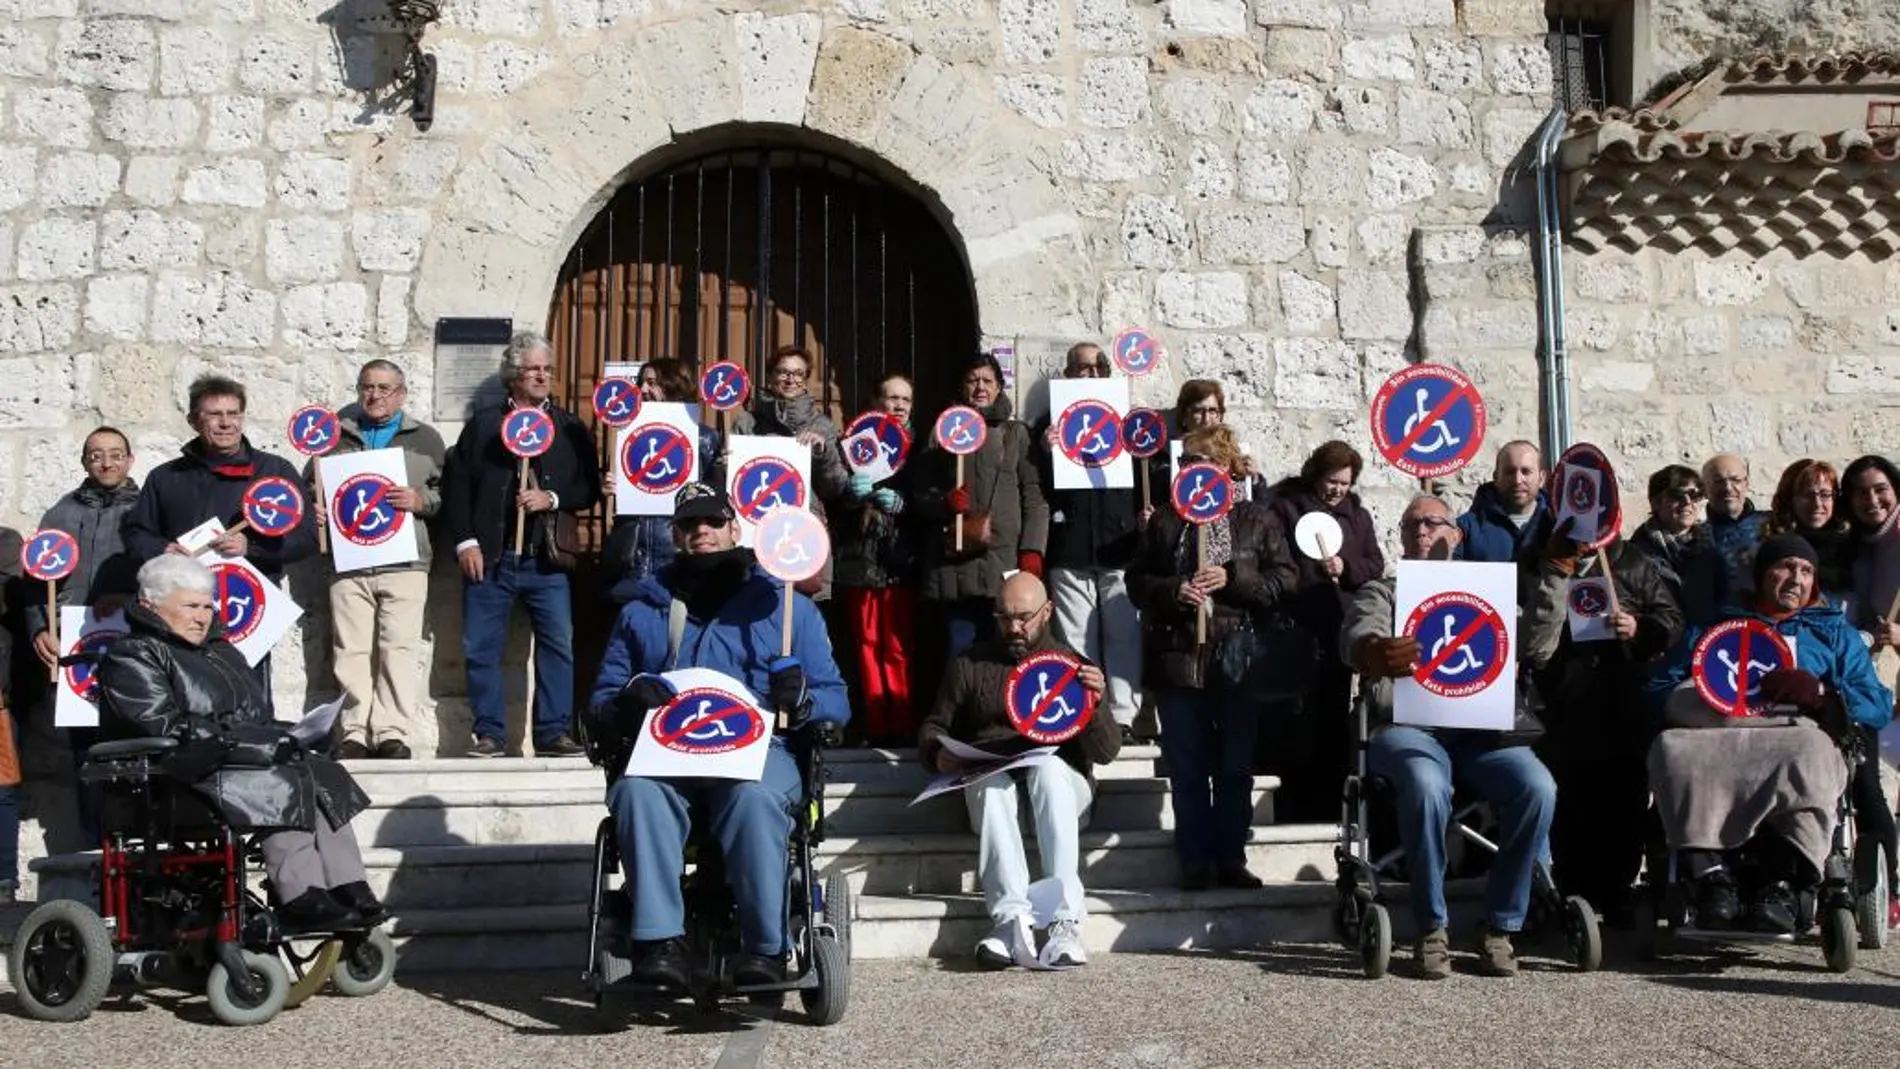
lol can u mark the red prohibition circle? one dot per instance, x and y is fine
(1485, 617)
(1754, 635)
(82, 677)
(641, 472)
(1411, 386)
(229, 576)
(960, 430)
(891, 435)
(313, 430)
(1106, 420)
(724, 386)
(1144, 432)
(1192, 486)
(50, 555)
(268, 515)
(667, 729)
(527, 432)
(753, 507)
(1026, 712)
(610, 391)
(377, 488)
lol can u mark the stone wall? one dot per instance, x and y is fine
(1300, 195)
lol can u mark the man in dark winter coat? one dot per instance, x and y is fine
(971, 709)
(208, 482)
(1597, 726)
(480, 499)
(1093, 535)
(1735, 524)
(1509, 516)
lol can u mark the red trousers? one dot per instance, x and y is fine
(881, 619)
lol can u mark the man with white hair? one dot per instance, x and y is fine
(481, 498)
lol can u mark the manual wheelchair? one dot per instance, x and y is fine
(1361, 919)
(818, 921)
(1848, 905)
(175, 911)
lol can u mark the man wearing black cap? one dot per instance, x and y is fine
(1754, 810)
(712, 608)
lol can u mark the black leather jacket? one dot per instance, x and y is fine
(153, 683)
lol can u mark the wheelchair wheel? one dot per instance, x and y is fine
(62, 961)
(312, 970)
(1585, 939)
(232, 1006)
(1870, 906)
(826, 1003)
(1839, 938)
(1375, 941)
(367, 965)
(838, 908)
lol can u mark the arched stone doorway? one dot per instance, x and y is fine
(749, 244)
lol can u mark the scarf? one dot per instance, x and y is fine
(94, 496)
(706, 581)
(236, 465)
(1220, 545)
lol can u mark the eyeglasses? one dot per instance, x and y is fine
(378, 389)
(543, 369)
(1089, 369)
(1208, 410)
(1008, 618)
(1686, 495)
(1426, 523)
(791, 373)
(1816, 495)
(104, 456)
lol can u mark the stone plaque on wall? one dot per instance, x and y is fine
(467, 356)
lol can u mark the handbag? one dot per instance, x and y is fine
(1274, 661)
(559, 546)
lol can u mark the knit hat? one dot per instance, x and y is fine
(1779, 548)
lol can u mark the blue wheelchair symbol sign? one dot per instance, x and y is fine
(616, 402)
(241, 601)
(82, 675)
(764, 484)
(705, 721)
(50, 555)
(363, 510)
(1091, 433)
(724, 386)
(657, 458)
(1428, 421)
(273, 505)
(1046, 700)
(1135, 351)
(527, 432)
(1145, 432)
(1463, 641)
(1202, 493)
(313, 430)
(1731, 660)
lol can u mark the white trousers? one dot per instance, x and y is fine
(1059, 800)
(1096, 618)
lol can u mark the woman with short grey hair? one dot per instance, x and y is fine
(174, 676)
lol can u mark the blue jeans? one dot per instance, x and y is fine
(970, 620)
(1421, 767)
(751, 822)
(485, 608)
(1208, 742)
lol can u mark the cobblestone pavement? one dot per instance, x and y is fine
(1288, 1005)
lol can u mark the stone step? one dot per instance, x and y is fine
(393, 780)
(859, 809)
(468, 876)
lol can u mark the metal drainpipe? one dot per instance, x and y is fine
(1554, 369)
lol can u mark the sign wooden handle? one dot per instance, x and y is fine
(1893, 611)
(1147, 501)
(785, 632)
(1609, 583)
(1206, 606)
(521, 514)
(1325, 554)
(323, 529)
(52, 628)
(956, 519)
(240, 527)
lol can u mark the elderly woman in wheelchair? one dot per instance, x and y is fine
(193, 764)
(1751, 796)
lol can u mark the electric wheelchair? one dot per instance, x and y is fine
(1362, 920)
(175, 910)
(1845, 912)
(818, 921)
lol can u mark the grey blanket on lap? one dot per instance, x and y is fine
(1717, 786)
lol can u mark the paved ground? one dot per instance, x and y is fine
(1289, 1005)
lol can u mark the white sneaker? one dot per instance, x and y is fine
(1064, 948)
(1008, 943)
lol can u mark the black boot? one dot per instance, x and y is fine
(1717, 902)
(754, 969)
(315, 911)
(362, 901)
(1772, 909)
(661, 963)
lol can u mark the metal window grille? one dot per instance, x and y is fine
(1883, 117)
(1580, 62)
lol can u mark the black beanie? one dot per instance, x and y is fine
(1779, 548)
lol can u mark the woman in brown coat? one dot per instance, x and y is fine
(1207, 730)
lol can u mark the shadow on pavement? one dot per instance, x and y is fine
(1834, 990)
(553, 1004)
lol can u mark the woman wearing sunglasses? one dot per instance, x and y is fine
(1677, 539)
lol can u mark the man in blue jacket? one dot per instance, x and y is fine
(1509, 517)
(1735, 524)
(1748, 803)
(712, 608)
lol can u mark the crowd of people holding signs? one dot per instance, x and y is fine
(1011, 597)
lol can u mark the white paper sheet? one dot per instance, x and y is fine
(1494, 707)
(1583, 522)
(382, 533)
(316, 724)
(629, 498)
(956, 781)
(1069, 475)
(1589, 593)
(653, 759)
(252, 628)
(80, 630)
